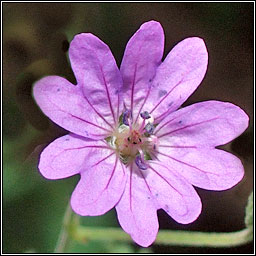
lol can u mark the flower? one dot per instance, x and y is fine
(133, 147)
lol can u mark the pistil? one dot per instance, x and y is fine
(134, 141)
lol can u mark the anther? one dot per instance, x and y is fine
(145, 115)
(150, 128)
(140, 163)
(127, 116)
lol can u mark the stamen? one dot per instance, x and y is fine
(153, 142)
(135, 142)
(140, 163)
(145, 115)
(150, 128)
(142, 126)
(127, 116)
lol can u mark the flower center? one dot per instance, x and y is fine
(135, 142)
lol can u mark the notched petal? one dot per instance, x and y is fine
(100, 187)
(136, 210)
(142, 56)
(69, 155)
(97, 74)
(177, 77)
(211, 169)
(64, 104)
(173, 193)
(205, 124)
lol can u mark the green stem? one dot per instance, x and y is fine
(166, 237)
(64, 233)
(204, 239)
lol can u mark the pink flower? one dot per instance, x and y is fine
(133, 147)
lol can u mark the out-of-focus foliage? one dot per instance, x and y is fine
(249, 212)
(19, 179)
(36, 38)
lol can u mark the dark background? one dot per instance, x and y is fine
(36, 37)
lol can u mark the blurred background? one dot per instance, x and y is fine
(36, 39)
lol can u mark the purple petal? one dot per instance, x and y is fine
(211, 169)
(173, 193)
(101, 185)
(97, 73)
(136, 211)
(69, 155)
(65, 105)
(142, 56)
(177, 77)
(205, 124)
